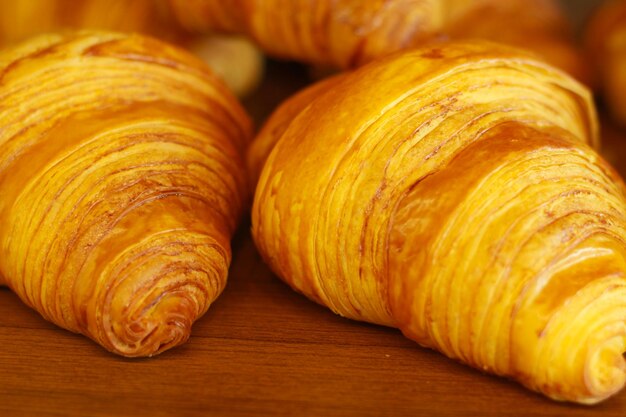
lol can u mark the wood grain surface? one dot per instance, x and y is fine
(261, 349)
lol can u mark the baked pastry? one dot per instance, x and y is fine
(606, 45)
(341, 34)
(613, 145)
(121, 182)
(233, 58)
(348, 33)
(20, 20)
(453, 192)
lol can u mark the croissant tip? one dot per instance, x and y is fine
(606, 370)
(160, 326)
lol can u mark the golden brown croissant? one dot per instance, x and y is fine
(606, 44)
(349, 33)
(121, 182)
(451, 192)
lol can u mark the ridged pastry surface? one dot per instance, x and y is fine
(121, 183)
(453, 192)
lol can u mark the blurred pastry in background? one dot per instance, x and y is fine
(344, 34)
(233, 58)
(22, 19)
(540, 26)
(605, 41)
(613, 145)
(237, 61)
(334, 33)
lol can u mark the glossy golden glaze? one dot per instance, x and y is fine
(121, 183)
(280, 120)
(349, 33)
(451, 192)
(606, 45)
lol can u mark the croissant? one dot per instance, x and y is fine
(349, 33)
(452, 192)
(337, 33)
(122, 178)
(606, 44)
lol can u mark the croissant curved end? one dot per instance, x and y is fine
(163, 326)
(163, 323)
(607, 369)
(584, 340)
(156, 293)
(151, 306)
(605, 365)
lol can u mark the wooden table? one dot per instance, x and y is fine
(260, 350)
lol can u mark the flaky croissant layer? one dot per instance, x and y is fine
(451, 192)
(121, 183)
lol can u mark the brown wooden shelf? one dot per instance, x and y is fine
(261, 349)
